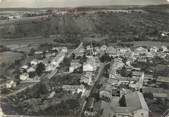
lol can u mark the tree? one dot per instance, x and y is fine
(66, 61)
(32, 51)
(105, 58)
(40, 68)
(122, 101)
(148, 95)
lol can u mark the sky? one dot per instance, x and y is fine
(74, 3)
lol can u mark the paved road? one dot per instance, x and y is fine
(94, 88)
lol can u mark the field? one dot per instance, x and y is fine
(148, 43)
(135, 24)
(9, 57)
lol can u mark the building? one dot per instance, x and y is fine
(154, 49)
(34, 62)
(141, 50)
(64, 50)
(11, 84)
(115, 65)
(111, 51)
(135, 106)
(74, 65)
(164, 49)
(90, 65)
(103, 48)
(142, 59)
(24, 76)
(74, 88)
(136, 74)
(79, 51)
(87, 78)
(38, 55)
(123, 51)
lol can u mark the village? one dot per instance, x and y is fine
(91, 81)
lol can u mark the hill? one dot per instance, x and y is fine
(128, 24)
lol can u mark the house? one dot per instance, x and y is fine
(150, 55)
(142, 59)
(24, 68)
(90, 65)
(90, 111)
(50, 67)
(161, 54)
(31, 69)
(87, 78)
(124, 50)
(55, 49)
(79, 51)
(88, 47)
(34, 62)
(164, 49)
(140, 50)
(74, 88)
(38, 54)
(134, 106)
(106, 92)
(115, 65)
(97, 49)
(165, 34)
(74, 65)
(11, 84)
(136, 74)
(24, 76)
(111, 51)
(64, 50)
(154, 49)
(103, 48)
(48, 55)
(32, 72)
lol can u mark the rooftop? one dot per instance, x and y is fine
(134, 102)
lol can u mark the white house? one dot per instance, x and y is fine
(154, 49)
(164, 48)
(74, 65)
(74, 88)
(24, 76)
(88, 67)
(111, 51)
(140, 50)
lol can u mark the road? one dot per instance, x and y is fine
(94, 88)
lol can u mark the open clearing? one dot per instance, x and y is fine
(9, 57)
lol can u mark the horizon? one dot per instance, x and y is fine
(76, 3)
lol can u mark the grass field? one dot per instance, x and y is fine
(9, 57)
